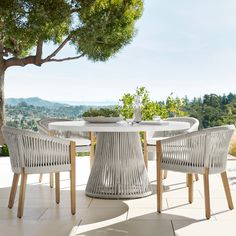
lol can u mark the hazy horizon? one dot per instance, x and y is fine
(107, 102)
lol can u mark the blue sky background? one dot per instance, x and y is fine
(185, 47)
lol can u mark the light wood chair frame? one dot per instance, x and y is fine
(205, 169)
(24, 162)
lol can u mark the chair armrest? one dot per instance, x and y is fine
(184, 153)
(177, 138)
(42, 150)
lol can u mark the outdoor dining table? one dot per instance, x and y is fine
(119, 170)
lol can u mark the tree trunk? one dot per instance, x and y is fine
(2, 105)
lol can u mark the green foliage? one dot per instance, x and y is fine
(24, 23)
(149, 108)
(106, 112)
(25, 116)
(5, 151)
(106, 26)
(172, 107)
(126, 109)
(175, 106)
(97, 28)
(213, 110)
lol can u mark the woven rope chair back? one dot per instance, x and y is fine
(36, 152)
(193, 152)
(12, 136)
(194, 124)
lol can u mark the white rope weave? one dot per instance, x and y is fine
(119, 170)
(36, 153)
(193, 152)
(152, 137)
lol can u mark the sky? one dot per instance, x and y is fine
(185, 47)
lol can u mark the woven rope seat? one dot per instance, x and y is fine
(33, 153)
(202, 152)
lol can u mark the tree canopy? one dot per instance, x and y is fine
(96, 28)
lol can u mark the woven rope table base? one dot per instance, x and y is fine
(119, 170)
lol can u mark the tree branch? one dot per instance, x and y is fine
(75, 10)
(39, 52)
(57, 50)
(8, 51)
(19, 61)
(15, 47)
(64, 59)
(2, 61)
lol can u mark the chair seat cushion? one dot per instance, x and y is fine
(152, 141)
(80, 141)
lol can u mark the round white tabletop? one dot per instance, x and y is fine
(119, 170)
(122, 126)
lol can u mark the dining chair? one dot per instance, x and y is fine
(150, 138)
(84, 141)
(201, 152)
(34, 153)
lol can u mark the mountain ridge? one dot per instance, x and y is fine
(39, 102)
(34, 101)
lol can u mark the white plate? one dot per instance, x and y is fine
(102, 119)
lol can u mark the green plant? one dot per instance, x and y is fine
(149, 107)
(5, 151)
(175, 106)
(106, 112)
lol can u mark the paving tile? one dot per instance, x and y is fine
(43, 216)
(198, 203)
(95, 215)
(130, 227)
(204, 227)
(60, 213)
(32, 213)
(148, 202)
(107, 203)
(36, 228)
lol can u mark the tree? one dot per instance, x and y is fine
(175, 106)
(149, 107)
(96, 28)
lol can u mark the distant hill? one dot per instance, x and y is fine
(35, 101)
(90, 103)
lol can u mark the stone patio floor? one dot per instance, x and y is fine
(42, 216)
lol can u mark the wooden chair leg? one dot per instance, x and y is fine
(92, 139)
(40, 178)
(22, 194)
(51, 180)
(227, 190)
(207, 193)
(145, 150)
(195, 176)
(72, 179)
(57, 189)
(165, 174)
(187, 181)
(159, 176)
(15, 181)
(190, 187)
